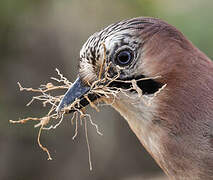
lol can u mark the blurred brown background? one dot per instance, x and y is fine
(37, 36)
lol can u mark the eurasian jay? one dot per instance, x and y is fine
(176, 127)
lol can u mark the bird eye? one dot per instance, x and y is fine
(124, 57)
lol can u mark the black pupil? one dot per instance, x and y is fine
(124, 57)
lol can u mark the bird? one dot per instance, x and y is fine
(173, 116)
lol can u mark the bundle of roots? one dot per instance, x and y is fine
(100, 87)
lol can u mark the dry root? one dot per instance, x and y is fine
(49, 100)
(100, 87)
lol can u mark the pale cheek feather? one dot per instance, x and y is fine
(139, 115)
(86, 72)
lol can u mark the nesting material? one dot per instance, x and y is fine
(100, 87)
(47, 99)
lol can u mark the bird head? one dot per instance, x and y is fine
(150, 73)
(119, 52)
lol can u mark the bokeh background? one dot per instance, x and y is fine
(37, 36)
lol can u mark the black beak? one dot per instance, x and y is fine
(76, 91)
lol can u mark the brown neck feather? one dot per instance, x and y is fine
(185, 107)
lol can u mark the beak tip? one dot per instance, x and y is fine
(76, 91)
(59, 108)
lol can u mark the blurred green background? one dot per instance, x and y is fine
(37, 36)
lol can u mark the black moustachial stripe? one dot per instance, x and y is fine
(148, 86)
